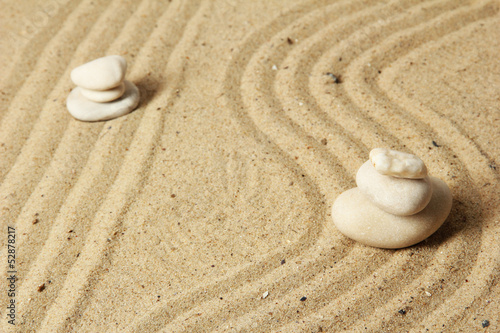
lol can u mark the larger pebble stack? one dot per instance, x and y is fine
(102, 93)
(395, 205)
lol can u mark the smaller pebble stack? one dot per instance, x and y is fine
(395, 205)
(102, 93)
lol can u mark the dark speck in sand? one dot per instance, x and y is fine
(485, 323)
(336, 78)
(303, 298)
(435, 144)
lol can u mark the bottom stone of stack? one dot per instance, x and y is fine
(357, 218)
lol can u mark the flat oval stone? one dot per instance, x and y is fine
(357, 218)
(397, 164)
(100, 74)
(83, 109)
(399, 196)
(103, 96)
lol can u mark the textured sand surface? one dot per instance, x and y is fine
(217, 189)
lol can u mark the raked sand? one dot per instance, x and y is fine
(217, 190)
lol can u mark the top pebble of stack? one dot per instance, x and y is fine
(101, 74)
(397, 164)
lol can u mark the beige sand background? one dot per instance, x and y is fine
(217, 190)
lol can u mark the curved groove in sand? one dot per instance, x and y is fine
(471, 158)
(70, 137)
(28, 162)
(75, 132)
(75, 202)
(441, 26)
(211, 316)
(75, 137)
(40, 149)
(32, 50)
(457, 245)
(25, 114)
(328, 286)
(171, 311)
(133, 172)
(395, 271)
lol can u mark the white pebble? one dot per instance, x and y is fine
(102, 96)
(397, 164)
(275, 68)
(83, 109)
(399, 196)
(100, 74)
(357, 218)
(264, 295)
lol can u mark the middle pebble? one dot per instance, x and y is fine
(399, 196)
(102, 96)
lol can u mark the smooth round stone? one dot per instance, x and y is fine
(399, 196)
(397, 164)
(100, 74)
(83, 109)
(357, 218)
(103, 96)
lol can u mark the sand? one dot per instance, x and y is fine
(218, 188)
